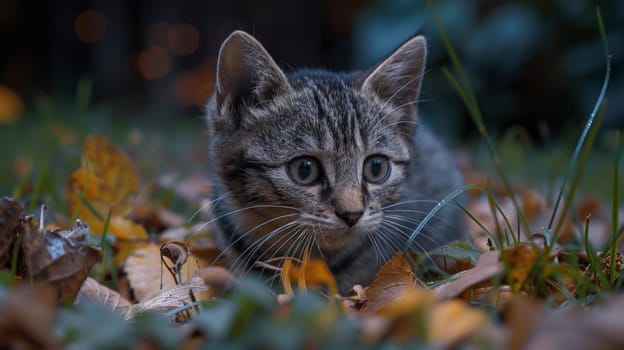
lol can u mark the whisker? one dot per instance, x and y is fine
(209, 203)
(236, 211)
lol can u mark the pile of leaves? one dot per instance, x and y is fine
(169, 288)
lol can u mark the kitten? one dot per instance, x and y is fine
(330, 163)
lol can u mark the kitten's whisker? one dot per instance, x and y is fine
(425, 234)
(250, 231)
(409, 202)
(207, 204)
(239, 210)
(414, 242)
(250, 252)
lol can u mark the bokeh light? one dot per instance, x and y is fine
(157, 34)
(90, 26)
(195, 86)
(11, 106)
(154, 63)
(183, 39)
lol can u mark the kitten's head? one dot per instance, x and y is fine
(311, 158)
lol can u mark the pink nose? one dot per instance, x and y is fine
(349, 217)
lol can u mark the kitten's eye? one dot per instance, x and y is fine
(304, 171)
(376, 169)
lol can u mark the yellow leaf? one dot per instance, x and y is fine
(519, 261)
(104, 187)
(112, 171)
(310, 274)
(453, 320)
(128, 236)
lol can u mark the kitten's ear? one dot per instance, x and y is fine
(246, 73)
(397, 79)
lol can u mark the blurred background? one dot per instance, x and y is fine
(538, 64)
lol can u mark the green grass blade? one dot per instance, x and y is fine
(588, 125)
(435, 210)
(580, 161)
(615, 203)
(601, 278)
(462, 87)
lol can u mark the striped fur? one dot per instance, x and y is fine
(261, 120)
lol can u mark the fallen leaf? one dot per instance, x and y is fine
(519, 262)
(487, 267)
(146, 275)
(597, 327)
(27, 318)
(105, 187)
(311, 273)
(452, 321)
(169, 299)
(393, 285)
(11, 215)
(62, 259)
(92, 290)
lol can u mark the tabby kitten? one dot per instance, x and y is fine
(330, 163)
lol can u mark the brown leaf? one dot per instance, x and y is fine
(217, 277)
(170, 298)
(27, 318)
(92, 290)
(154, 217)
(394, 285)
(519, 261)
(11, 216)
(598, 327)
(487, 267)
(62, 259)
(146, 276)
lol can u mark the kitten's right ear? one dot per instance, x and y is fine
(246, 73)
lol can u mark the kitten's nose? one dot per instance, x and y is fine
(349, 217)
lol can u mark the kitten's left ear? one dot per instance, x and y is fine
(397, 79)
(246, 73)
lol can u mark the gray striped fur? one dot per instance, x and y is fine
(260, 119)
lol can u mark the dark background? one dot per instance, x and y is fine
(531, 63)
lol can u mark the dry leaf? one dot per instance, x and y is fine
(487, 267)
(154, 217)
(27, 318)
(310, 273)
(128, 236)
(62, 259)
(105, 186)
(169, 299)
(454, 320)
(519, 261)
(393, 285)
(146, 274)
(92, 290)
(11, 216)
(598, 327)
